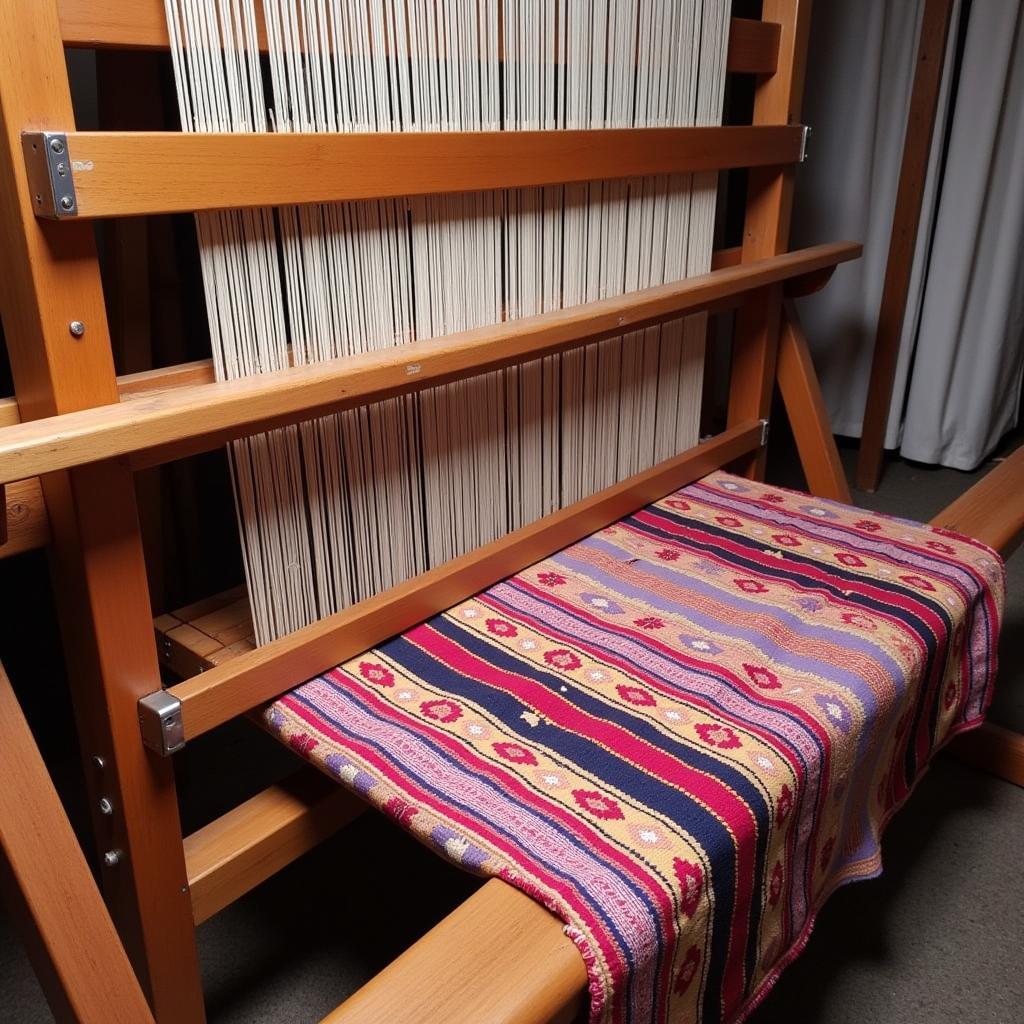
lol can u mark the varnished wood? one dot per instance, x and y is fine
(27, 526)
(132, 173)
(236, 686)
(499, 957)
(169, 424)
(199, 636)
(808, 417)
(51, 893)
(142, 24)
(992, 510)
(27, 520)
(993, 749)
(50, 278)
(244, 847)
(917, 144)
(766, 224)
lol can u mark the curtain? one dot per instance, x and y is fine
(958, 380)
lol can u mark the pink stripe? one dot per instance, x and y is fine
(518, 855)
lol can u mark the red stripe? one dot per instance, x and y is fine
(709, 791)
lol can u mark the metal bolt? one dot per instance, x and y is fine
(112, 858)
(106, 807)
(98, 763)
(77, 328)
(57, 145)
(67, 203)
(62, 168)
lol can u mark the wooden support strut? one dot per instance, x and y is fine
(50, 892)
(51, 279)
(766, 227)
(917, 144)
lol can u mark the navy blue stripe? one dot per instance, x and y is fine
(452, 798)
(604, 764)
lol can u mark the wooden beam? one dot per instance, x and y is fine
(170, 424)
(51, 278)
(253, 841)
(26, 511)
(917, 145)
(250, 679)
(766, 224)
(499, 956)
(134, 173)
(142, 25)
(808, 417)
(992, 510)
(50, 891)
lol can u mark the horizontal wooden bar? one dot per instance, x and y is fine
(142, 25)
(992, 510)
(170, 424)
(230, 689)
(241, 849)
(124, 174)
(499, 956)
(29, 526)
(163, 378)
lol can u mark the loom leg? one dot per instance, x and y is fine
(805, 407)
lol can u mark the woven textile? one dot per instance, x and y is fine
(680, 734)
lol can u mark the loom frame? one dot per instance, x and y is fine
(165, 883)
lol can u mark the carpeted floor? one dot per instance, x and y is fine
(937, 938)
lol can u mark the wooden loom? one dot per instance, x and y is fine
(84, 432)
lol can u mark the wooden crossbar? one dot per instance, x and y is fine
(230, 689)
(142, 25)
(991, 511)
(125, 174)
(170, 424)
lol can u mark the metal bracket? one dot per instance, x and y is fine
(49, 174)
(805, 136)
(765, 425)
(160, 721)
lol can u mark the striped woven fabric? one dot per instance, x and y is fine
(680, 734)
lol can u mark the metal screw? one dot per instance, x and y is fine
(67, 203)
(98, 763)
(112, 858)
(57, 145)
(77, 328)
(106, 807)
(62, 168)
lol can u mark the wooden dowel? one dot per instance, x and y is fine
(134, 173)
(170, 424)
(230, 689)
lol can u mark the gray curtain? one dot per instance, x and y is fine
(958, 380)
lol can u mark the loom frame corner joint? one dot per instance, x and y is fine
(161, 724)
(50, 174)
